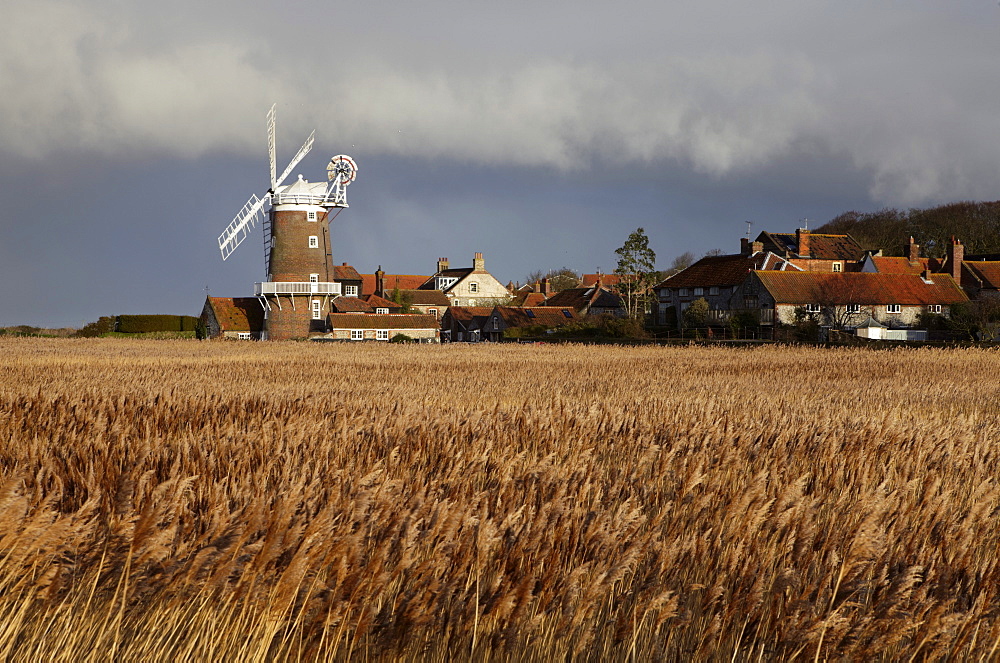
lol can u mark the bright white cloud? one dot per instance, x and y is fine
(903, 93)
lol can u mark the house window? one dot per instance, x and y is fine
(473, 287)
(243, 336)
(682, 292)
(314, 278)
(432, 311)
(311, 216)
(456, 302)
(714, 290)
(315, 309)
(893, 308)
(838, 266)
(854, 308)
(933, 308)
(813, 308)
(566, 313)
(357, 334)
(496, 324)
(313, 242)
(350, 291)
(381, 334)
(698, 292)
(382, 311)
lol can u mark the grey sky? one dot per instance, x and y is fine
(538, 133)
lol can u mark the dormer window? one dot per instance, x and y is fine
(382, 311)
(350, 291)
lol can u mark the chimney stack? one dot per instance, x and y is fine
(956, 252)
(912, 251)
(379, 282)
(442, 264)
(546, 287)
(802, 239)
(745, 246)
(478, 264)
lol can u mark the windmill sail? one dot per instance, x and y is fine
(238, 230)
(303, 151)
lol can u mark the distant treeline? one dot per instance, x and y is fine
(977, 225)
(139, 324)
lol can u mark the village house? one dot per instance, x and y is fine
(464, 323)
(467, 286)
(238, 318)
(596, 299)
(502, 318)
(380, 327)
(812, 252)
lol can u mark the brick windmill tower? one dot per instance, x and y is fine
(297, 244)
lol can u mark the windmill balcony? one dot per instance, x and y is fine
(296, 288)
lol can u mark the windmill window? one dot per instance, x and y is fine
(316, 309)
(314, 278)
(311, 216)
(382, 335)
(313, 242)
(357, 334)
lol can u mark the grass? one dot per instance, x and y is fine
(260, 501)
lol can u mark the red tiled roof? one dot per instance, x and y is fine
(860, 288)
(345, 273)
(821, 246)
(238, 314)
(550, 316)
(895, 265)
(381, 321)
(427, 297)
(533, 299)
(606, 279)
(351, 305)
(380, 302)
(580, 298)
(401, 281)
(726, 270)
(987, 271)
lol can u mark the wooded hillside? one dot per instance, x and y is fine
(976, 224)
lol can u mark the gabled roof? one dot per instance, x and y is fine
(860, 288)
(606, 279)
(723, 271)
(380, 302)
(581, 298)
(401, 281)
(987, 272)
(821, 246)
(381, 321)
(550, 316)
(351, 305)
(238, 314)
(531, 299)
(897, 265)
(458, 273)
(470, 317)
(345, 273)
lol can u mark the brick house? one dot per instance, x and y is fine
(502, 318)
(462, 324)
(596, 299)
(812, 252)
(240, 318)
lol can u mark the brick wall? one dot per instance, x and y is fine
(291, 258)
(287, 323)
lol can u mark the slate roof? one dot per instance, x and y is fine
(821, 246)
(381, 321)
(860, 288)
(238, 314)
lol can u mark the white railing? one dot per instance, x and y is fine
(296, 288)
(333, 197)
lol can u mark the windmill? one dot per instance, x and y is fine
(297, 243)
